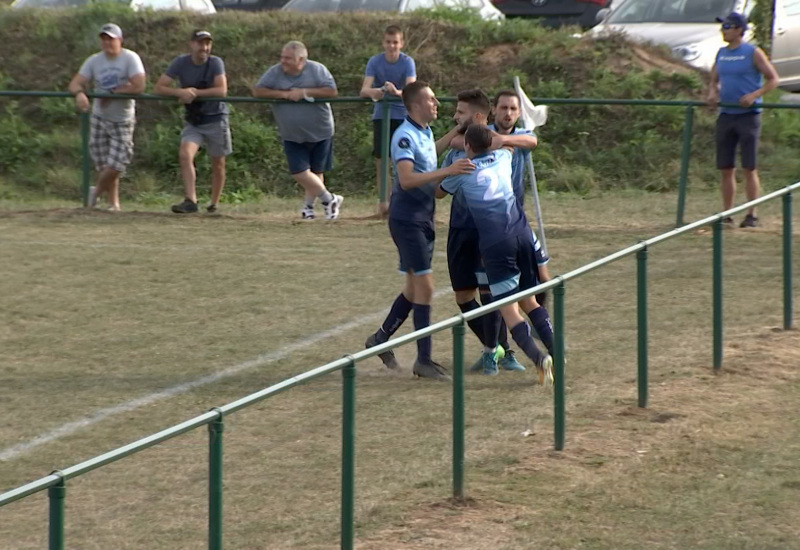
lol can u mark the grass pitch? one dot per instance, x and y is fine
(99, 309)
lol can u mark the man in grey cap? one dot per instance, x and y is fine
(114, 70)
(200, 74)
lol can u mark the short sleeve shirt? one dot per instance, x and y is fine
(109, 73)
(396, 73)
(490, 198)
(413, 143)
(301, 122)
(202, 76)
(518, 165)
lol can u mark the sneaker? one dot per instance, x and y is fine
(727, 221)
(388, 358)
(431, 369)
(186, 207)
(307, 213)
(333, 207)
(489, 362)
(477, 366)
(749, 221)
(509, 362)
(545, 371)
(211, 208)
(92, 196)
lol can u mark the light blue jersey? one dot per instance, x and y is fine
(490, 197)
(519, 163)
(413, 143)
(460, 218)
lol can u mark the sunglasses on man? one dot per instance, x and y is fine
(729, 26)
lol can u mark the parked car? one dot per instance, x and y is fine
(689, 27)
(555, 13)
(786, 43)
(249, 5)
(484, 7)
(199, 6)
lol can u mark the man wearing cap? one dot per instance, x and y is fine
(115, 70)
(737, 79)
(200, 74)
(306, 126)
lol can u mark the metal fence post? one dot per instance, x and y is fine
(56, 494)
(215, 430)
(385, 153)
(348, 454)
(641, 323)
(560, 386)
(787, 261)
(458, 410)
(686, 154)
(86, 161)
(717, 291)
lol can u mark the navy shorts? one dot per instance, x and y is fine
(394, 123)
(511, 266)
(742, 130)
(316, 156)
(463, 258)
(414, 242)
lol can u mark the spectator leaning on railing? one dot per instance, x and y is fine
(200, 74)
(115, 70)
(306, 128)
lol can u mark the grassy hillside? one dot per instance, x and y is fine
(583, 148)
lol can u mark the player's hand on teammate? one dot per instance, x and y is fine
(187, 95)
(81, 102)
(461, 166)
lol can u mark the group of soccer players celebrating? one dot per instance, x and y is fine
(491, 249)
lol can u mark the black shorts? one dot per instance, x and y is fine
(414, 242)
(463, 258)
(376, 134)
(742, 130)
(511, 266)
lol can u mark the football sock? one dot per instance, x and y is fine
(397, 315)
(422, 319)
(492, 323)
(476, 325)
(521, 334)
(541, 322)
(310, 202)
(325, 196)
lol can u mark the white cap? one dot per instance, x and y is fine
(111, 30)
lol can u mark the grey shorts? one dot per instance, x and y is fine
(214, 136)
(111, 143)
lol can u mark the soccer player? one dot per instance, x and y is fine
(200, 74)
(506, 242)
(414, 157)
(387, 73)
(506, 111)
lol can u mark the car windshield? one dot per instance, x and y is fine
(671, 11)
(455, 4)
(343, 5)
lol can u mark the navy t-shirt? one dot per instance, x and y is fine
(189, 75)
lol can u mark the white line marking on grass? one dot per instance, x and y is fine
(70, 428)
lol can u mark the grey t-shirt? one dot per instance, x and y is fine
(301, 122)
(201, 76)
(108, 74)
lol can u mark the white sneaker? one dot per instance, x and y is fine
(92, 196)
(307, 213)
(333, 207)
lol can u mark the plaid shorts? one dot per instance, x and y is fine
(111, 143)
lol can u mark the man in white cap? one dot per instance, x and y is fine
(114, 70)
(200, 74)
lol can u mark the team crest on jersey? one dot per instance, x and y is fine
(404, 143)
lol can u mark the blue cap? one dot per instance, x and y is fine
(735, 19)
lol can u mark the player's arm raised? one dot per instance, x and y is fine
(443, 143)
(409, 179)
(521, 141)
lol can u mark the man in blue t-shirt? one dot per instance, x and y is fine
(387, 73)
(506, 244)
(414, 157)
(737, 79)
(200, 74)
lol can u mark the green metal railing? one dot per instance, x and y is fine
(686, 147)
(55, 483)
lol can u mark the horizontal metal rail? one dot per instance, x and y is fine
(164, 435)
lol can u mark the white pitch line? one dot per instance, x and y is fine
(70, 428)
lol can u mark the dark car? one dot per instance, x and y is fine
(250, 5)
(555, 13)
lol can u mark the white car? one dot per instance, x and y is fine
(484, 7)
(198, 6)
(689, 27)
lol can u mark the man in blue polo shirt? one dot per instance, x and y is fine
(506, 243)
(737, 78)
(414, 157)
